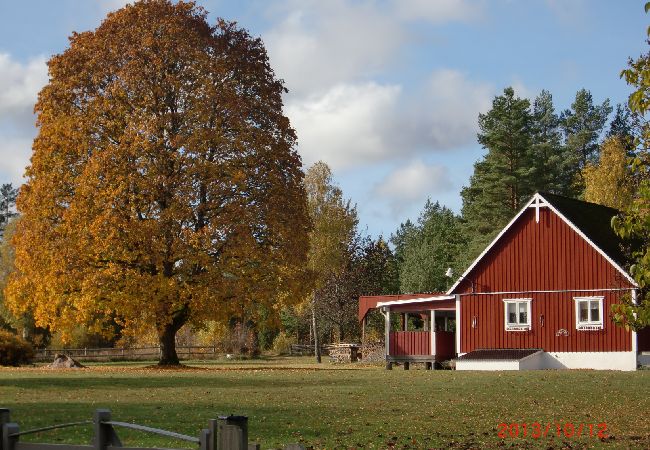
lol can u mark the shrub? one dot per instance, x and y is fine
(14, 350)
(282, 343)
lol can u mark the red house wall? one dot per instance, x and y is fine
(544, 256)
(550, 313)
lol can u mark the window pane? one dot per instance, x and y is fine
(523, 313)
(595, 310)
(512, 312)
(584, 311)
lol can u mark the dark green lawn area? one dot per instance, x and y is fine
(334, 406)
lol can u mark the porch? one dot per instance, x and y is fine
(419, 330)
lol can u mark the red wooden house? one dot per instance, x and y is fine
(539, 296)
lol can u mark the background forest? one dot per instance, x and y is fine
(530, 147)
(303, 290)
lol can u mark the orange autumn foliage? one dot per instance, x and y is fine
(164, 186)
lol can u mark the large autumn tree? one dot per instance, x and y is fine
(164, 186)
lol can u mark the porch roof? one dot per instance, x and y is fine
(415, 301)
(368, 302)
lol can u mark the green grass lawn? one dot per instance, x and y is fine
(336, 406)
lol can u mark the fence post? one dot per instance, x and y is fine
(8, 442)
(105, 435)
(212, 426)
(5, 417)
(204, 439)
(232, 433)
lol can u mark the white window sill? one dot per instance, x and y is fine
(594, 327)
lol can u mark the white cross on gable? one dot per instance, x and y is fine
(538, 202)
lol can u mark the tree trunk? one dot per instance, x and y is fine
(316, 343)
(167, 340)
(167, 337)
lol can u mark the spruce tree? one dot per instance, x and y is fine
(622, 127)
(547, 157)
(436, 245)
(582, 126)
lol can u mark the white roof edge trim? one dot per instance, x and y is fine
(416, 300)
(560, 215)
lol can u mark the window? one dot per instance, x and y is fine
(517, 314)
(589, 313)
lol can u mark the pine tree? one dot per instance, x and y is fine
(504, 178)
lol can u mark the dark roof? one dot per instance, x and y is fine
(507, 354)
(594, 220)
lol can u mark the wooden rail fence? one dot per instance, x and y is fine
(224, 433)
(183, 351)
(124, 353)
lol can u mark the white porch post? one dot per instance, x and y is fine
(406, 321)
(458, 326)
(635, 349)
(387, 330)
(433, 331)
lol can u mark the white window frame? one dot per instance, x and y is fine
(519, 326)
(589, 324)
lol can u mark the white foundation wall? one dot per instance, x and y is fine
(590, 360)
(559, 360)
(487, 365)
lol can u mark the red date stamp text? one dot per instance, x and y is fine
(537, 430)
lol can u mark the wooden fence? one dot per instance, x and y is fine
(183, 351)
(224, 433)
(134, 353)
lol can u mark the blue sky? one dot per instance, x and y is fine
(386, 92)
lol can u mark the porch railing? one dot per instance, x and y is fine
(409, 343)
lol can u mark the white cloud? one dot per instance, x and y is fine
(438, 11)
(345, 126)
(329, 52)
(15, 157)
(351, 125)
(412, 184)
(318, 44)
(19, 87)
(448, 109)
(20, 84)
